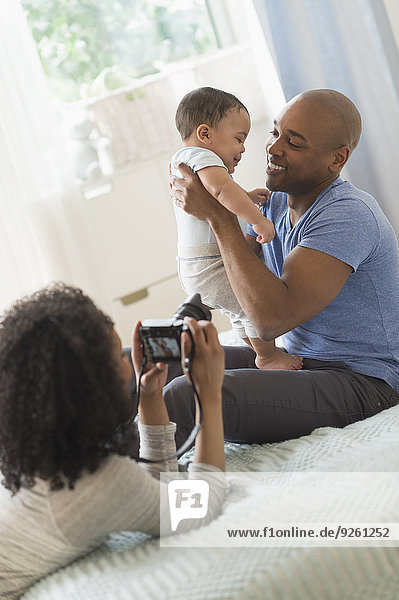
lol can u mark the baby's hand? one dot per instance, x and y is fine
(259, 196)
(265, 231)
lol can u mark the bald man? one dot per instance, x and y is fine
(328, 282)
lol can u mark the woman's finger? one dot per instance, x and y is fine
(154, 379)
(186, 344)
(210, 333)
(198, 333)
(137, 352)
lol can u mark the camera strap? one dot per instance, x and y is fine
(190, 440)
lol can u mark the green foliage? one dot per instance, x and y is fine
(78, 39)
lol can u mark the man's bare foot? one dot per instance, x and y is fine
(279, 360)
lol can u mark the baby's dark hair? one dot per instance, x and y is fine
(62, 397)
(204, 105)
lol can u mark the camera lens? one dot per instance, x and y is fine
(193, 307)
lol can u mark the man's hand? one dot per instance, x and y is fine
(190, 195)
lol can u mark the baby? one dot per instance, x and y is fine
(214, 125)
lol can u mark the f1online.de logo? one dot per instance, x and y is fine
(187, 500)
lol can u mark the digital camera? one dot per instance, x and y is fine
(161, 337)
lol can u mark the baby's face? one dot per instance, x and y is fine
(228, 137)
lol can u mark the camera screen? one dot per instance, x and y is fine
(164, 347)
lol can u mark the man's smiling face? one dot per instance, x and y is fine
(299, 150)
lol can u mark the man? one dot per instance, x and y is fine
(329, 282)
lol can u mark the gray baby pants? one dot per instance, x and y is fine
(201, 269)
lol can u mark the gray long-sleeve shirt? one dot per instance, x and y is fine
(41, 530)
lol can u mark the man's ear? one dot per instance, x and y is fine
(204, 133)
(340, 158)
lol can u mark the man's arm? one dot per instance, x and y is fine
(254, 246)
(310, 279)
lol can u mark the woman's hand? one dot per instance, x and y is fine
(154, 376)
(190, 195)
(207, 365)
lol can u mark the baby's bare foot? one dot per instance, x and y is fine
(279, 360)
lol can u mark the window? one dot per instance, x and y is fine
(120, 67)
(88, 47)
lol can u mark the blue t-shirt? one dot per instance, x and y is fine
(361, 325)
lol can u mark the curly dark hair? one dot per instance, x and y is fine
(61, 395)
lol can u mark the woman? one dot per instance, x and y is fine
(64, 401)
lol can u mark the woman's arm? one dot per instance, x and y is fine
(152, 409)
(207, 372)
(124, 496)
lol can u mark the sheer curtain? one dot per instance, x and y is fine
(44, 230)
(347, 45)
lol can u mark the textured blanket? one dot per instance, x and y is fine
(131, 566)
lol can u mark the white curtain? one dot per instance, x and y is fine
(347, 45)
(44, 229)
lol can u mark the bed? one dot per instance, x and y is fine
(132, 566)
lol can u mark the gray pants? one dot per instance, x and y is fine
(272, 406)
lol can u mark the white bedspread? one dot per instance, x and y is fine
(126, 569)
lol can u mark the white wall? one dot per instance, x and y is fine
(392, 8)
